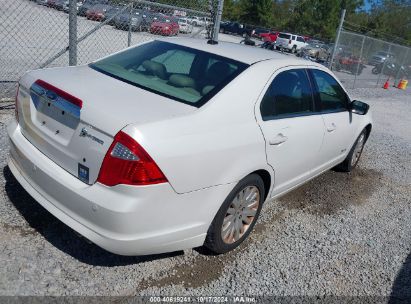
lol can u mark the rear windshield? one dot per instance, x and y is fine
(286, 36)
(184, 74)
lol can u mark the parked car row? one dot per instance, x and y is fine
(124, 18)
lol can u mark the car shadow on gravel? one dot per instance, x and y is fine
(401, 289)
(334, 191)
(60, 235)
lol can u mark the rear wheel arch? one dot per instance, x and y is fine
(218, 230)
(267, 179)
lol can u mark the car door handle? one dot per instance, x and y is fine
(279, 139)
(332, 128)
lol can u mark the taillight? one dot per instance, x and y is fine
(16, 104)
(289, 41)
(126, 162)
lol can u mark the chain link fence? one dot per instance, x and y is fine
(364, 62)
(35, 34)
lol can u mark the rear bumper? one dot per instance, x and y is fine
(125, 220)
(283, 46)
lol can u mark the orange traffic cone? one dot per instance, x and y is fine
(387, 84)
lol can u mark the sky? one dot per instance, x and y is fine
(367, 4)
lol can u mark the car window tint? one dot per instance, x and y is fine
(332, 97)
(181, 73)
(213, 62)
(288, 95)
(300, 39)
(176, 61)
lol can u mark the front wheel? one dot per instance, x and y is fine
(353, 157)
(237, 216)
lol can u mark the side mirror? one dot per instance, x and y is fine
(359, 107)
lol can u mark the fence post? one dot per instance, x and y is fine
(72, 32)
(129, 25)
(217, 20)
(337, 39)
(360, 62)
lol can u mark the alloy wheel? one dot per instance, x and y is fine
(240, 214)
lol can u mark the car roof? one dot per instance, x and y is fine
(235, 51)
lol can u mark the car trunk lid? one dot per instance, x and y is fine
(72, 115)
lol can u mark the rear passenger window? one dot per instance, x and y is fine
(330, 94)
(288, 95)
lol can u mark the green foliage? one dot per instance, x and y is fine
(387, 19)
(231, 10)
(255, 11)
(315, 17)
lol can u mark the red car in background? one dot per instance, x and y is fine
(97, 12)
(270, 36)
(166, 26)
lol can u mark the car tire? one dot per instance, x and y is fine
(240, 207)
(294, 49)
(375, 71)
(352, 159)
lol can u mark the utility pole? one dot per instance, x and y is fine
(337, 39)
(217, 21)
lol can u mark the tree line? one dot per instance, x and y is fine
(387, 19)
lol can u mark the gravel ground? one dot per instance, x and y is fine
(340, 234)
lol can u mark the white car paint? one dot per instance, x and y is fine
(203, 151)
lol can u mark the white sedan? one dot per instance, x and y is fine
(177, 143)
